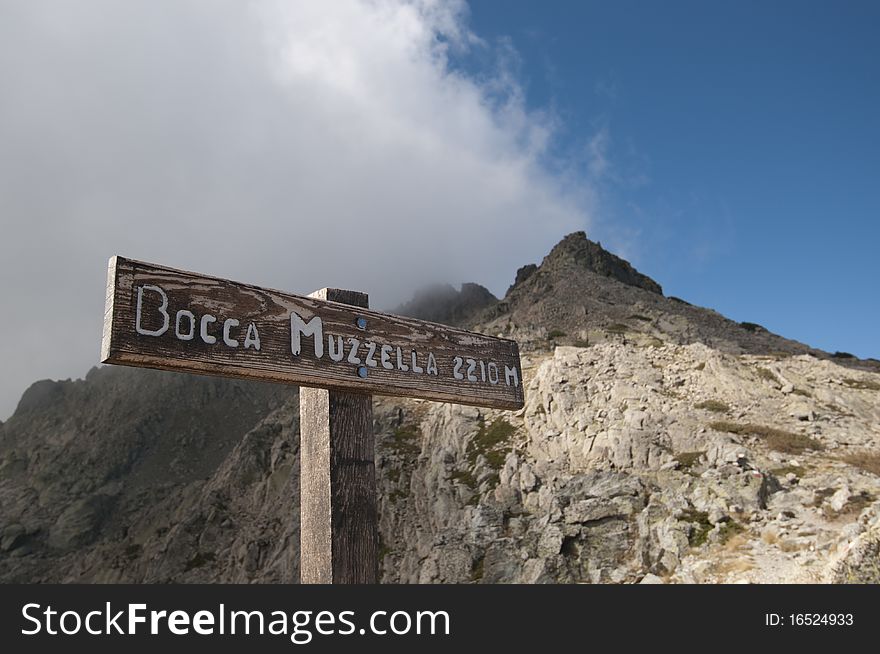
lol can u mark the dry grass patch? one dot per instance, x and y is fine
(733, 566)
(729, 530)
(767, 374)
(716, 406)
(668, 392)
(734, 559)
(862, 384)
(855, 504)
(867, 461)
(687, 460)
(736, 542)
(790, 545)
(780, 440)
(800, 471)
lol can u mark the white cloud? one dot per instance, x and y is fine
(291, 144)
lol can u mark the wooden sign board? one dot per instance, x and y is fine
(158, 317)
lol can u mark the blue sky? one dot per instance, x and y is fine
(737, 145)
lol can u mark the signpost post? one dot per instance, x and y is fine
(338, 351)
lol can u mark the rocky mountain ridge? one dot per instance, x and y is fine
(660, 443)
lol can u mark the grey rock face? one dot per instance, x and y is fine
(80, 523)
(522, 275)
(13, 535)
(82, 463)
(578, 249)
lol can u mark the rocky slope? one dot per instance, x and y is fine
(660, 442)
(675, 463)
(82, 462)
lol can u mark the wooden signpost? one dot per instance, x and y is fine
(338, 351)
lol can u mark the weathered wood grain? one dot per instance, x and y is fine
(339, 537)
(469, 368)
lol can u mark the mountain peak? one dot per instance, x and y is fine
(580, 251)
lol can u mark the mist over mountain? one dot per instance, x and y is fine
(660, 442)
(443, 303)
